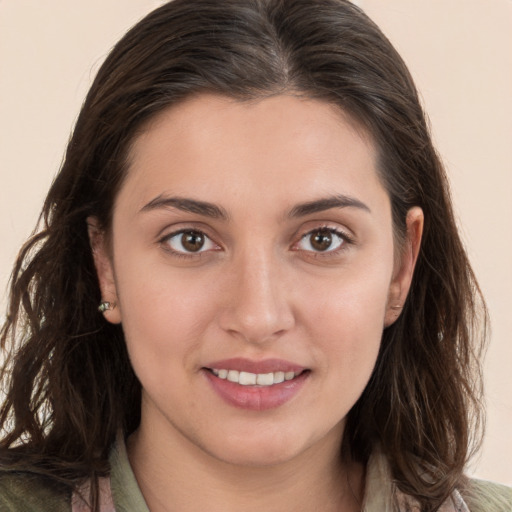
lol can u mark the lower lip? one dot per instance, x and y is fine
(256, 398)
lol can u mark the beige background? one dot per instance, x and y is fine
(460, 52)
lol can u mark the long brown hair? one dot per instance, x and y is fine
(68, 380)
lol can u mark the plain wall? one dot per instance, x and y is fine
(459, 51)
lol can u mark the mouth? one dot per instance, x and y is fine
(256, 385)
(255, 379)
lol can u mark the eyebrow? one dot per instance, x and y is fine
(216, 212)
(320, 205)
(187, 205)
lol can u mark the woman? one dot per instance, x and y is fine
(252, 201)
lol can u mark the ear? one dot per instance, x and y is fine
(404, 267)
(104, 269)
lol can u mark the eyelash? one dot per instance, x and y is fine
(165, 241)
(346, 240)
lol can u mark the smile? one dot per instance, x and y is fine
(254, 379)
(256, 385)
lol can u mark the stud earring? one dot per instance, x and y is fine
(397, 306)
(106, 306)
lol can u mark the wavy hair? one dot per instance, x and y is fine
(68, 381)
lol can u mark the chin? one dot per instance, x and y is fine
(257, 457)
(257, 450)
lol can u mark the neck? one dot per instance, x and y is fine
(174, 475)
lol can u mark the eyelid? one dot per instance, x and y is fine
(336, 230)
(348, 239)
(175, 228)
(164, 241)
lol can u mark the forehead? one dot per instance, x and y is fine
(217, 146)
(199, 118)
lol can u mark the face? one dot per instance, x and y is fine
(254, 271)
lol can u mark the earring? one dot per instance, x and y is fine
(397, 306)
(106, 306)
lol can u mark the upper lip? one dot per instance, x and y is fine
(251, 366)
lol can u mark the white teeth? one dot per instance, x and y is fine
(278, 377)
(247, 379)
(265, 379)
(233, 375)
(253, 379)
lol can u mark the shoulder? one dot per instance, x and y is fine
(483, 496)
(27, 492)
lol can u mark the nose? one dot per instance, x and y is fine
(258, 307)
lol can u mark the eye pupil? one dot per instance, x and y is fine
(192, 241)
(321, 240)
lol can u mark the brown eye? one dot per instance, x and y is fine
(190, 241)
(322, 240)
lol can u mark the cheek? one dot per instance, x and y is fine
(346, 318)
(349, 330)
(164, 313)
(353, 299)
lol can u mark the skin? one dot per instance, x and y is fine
(257, 289)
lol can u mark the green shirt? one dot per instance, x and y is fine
(25, 492)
